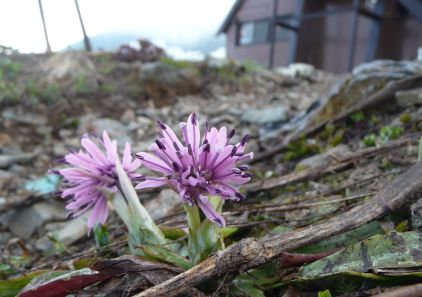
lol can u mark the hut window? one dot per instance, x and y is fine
(253, 32)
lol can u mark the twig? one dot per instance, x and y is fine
(331, 165)
(291, 260)
(408, 291)
(284, 207)
(250, 252)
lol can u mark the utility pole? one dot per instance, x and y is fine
(44, 26)
(86, 38)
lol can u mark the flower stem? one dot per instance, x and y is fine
(194, 221)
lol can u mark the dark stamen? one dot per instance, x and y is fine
(161, 125)
(244, 139)
(160, 145)
(139, 179)
(207, 148)
(234, 149)
(176, 166)
(239, 196)
(207, 126)
(54, 171)
(231, 134)
(247, 174)
(244, 168)
(61, 159)
(236, 170)
(176, 147)
(194, 119)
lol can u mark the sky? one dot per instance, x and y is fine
(176, 22)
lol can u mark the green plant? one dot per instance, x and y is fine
(385, 134)
(179, 64)
(252, 66)
(357, 117)
(370, 140)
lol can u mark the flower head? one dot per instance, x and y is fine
(93, 170)
(200, 167)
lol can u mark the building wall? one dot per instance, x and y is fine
(254, 10)
(325, 42)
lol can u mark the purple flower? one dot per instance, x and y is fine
(93, 170)
(200, 168)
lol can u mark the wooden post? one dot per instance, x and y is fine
(272, 35)
(86, 38)
(44, 27)
(295, 33)
(353, 33)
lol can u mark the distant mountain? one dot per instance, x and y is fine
(106, 41)
(112, 41)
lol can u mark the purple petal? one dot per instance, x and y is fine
(93, 150)
(193, 133)
(151, 183)
(210, 212)
(154, 163)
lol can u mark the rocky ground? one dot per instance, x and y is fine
(324, 144)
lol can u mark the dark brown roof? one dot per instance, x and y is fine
(225, 26)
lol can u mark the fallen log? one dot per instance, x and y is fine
(407, 291)
(251, 252)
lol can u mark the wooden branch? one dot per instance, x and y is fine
(407, 291)
(377, 97)
(250, 252)
(331, 165)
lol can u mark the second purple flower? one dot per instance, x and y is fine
(199, 168)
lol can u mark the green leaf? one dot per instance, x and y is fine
(240, 288)
(11, 287)
(142, 228)
(345, 239)
(325, 293)
(173, 233)
(379, 251)
(228, 231)
(102, 237)
(166, 255)
(204, 242)
(254, 281)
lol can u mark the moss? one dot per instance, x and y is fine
(178, 64)
(405, 118)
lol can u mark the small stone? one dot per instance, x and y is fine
(409, 97)
(163, 205)
(297, 70)
(65, 133)
(320, 160)
(74, 230)
(5, 178)
(24, 222)
(265, 116)
(115, 129)
(7, 160)
(4, 237)
(416, 215)
(128, 116)
(44, 130)
(66, 232)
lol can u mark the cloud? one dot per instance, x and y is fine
(179, 22)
